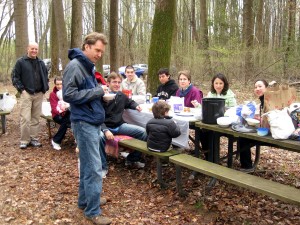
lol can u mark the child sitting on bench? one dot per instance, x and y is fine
(161, 129)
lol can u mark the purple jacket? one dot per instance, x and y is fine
(193, 94)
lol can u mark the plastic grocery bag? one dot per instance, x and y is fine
(177, 104)
(246, 111)
(281, 124)
(46, 109)
(8, 102)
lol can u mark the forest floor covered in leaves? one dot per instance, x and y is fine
(39, 186)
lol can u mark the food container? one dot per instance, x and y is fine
(224, 121)
(262, 131)
(252, 122)
(109, 97)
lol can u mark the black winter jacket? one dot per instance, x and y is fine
(165, 91)
(114, 110)
(23, 75)
(160, 133)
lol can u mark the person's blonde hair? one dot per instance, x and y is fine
(92, 38)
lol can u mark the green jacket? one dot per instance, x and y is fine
(230, 100)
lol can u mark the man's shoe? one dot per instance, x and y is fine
(35, 143)
(103, 201)
(23, 146)
(100, 220)
(55, 145)
(104, 173)
(139, 164)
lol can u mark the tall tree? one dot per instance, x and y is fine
(61, 31)
(113, 35)
(204, 37)
(53, 44)
(161, 40)
(291, 35)
(99, 28)
(21, 26)
(248, 38)
(76, 26)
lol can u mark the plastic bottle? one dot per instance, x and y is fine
(148, 98)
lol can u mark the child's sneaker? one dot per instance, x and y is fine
(55, 145)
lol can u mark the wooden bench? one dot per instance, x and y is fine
(50, 124)
(254, 183)
(141, 146)
(3, 120)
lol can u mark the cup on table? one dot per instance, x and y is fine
(127, 92)
(155, 99)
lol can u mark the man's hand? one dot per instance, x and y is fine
(109, 135)
(105, 89)
(139, 108)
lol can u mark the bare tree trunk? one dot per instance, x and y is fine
(161, 40)
(61, 30)
(248, 38)
(34, 20)
(113, 35)
(204, 43)
(21, 26)
(99, 28)
(291, 36)
(54, 45)
(76, 25)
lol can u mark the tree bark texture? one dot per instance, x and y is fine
(76, 25)
(113, 35)
(161, 40)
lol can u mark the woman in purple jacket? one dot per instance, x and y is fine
(187, 90)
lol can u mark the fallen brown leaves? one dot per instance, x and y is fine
(39, 186)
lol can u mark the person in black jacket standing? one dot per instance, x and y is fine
(168, 86)
(30, 78)
(161, 129)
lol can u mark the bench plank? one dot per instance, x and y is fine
(254, 183)
(141, 146)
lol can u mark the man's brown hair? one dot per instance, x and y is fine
(92, 38)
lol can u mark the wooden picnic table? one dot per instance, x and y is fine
(232, 135)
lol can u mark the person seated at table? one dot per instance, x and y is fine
(220, 89)
(161, 129)
(187, 90)
(168, 86)
(114, 123)
(60, 114)
(132, 82)
(260, 87)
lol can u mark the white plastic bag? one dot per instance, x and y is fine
(177, 104)
(8, 102)
(281, 124)
(46, 109)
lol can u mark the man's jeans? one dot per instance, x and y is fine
(135, 132)
(90, 187)
(102, 151)
(65, 123)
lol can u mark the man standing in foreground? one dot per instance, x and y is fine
(81, 90)
(30, 78)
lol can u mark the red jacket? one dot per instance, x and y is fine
(99, 78)
(53, 102)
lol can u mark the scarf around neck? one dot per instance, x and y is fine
(183, 93)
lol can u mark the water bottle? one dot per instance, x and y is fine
(148, 98)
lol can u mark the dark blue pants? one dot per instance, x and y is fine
(65, 123)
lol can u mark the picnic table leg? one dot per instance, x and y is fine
(49, 129)
(230, 152)
(179, 182)
(257, 156)
(3, 123)
(197, 148)
(159, 173)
